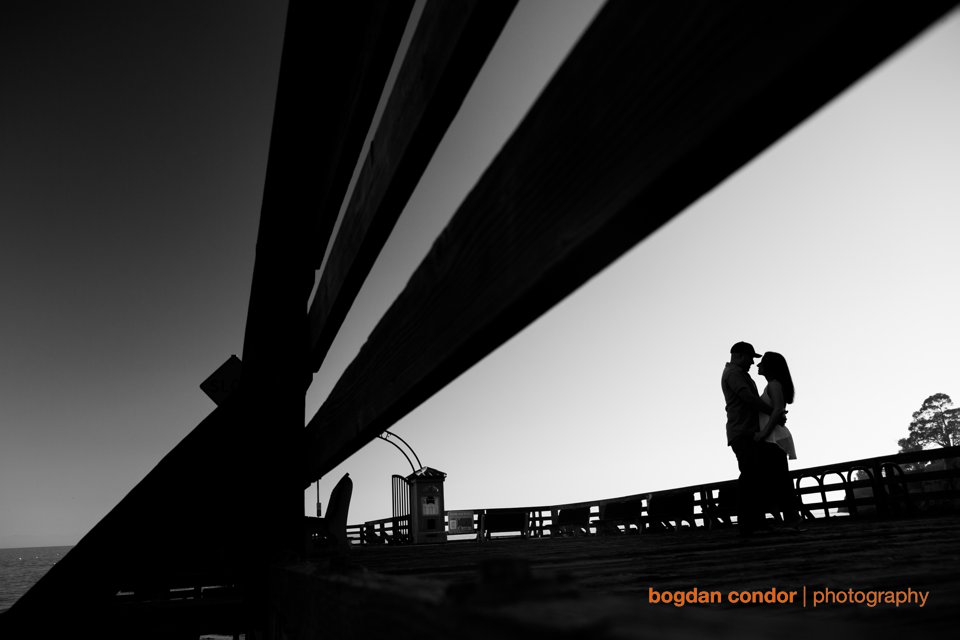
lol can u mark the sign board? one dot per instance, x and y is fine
(460, 522)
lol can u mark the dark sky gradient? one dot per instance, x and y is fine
(133, 145)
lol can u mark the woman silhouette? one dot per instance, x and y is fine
(776, 440)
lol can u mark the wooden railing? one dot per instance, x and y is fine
(884, 486)
(384, 531)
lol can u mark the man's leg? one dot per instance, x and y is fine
(749, 515)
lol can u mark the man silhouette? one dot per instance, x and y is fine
(743, 406)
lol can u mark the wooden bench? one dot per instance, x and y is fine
(720, 511)
(626, 513)
(670, 509)
(504, 521)
(571, 522)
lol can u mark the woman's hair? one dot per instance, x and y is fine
(775, 368)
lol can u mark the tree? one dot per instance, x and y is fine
(936, 423)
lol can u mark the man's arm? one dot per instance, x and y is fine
(750, 397)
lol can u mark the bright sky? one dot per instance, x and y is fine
(132, 186)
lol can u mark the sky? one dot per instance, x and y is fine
(133, 143)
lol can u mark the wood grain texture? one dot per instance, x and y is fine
(599, 587)
(448, 48)
(657, 103)
(352, 81)
(335, 62)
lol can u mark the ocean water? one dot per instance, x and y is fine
(21, 568)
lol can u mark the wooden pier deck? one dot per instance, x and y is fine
(599, 586)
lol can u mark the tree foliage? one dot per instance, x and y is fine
(937, 423)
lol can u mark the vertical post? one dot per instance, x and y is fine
(275, 363)
(879, 489)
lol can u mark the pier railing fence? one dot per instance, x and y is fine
(903, 484)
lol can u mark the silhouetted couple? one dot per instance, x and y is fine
(759, 438)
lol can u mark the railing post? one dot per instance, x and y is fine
(879, 490)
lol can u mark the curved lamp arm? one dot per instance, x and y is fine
(390, 433)
(384, 438)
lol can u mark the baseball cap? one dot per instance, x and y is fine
(745, 347)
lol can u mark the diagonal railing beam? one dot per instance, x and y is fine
(335, 63)
(447, 50)
(347, 94)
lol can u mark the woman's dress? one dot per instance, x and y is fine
(780, 435)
